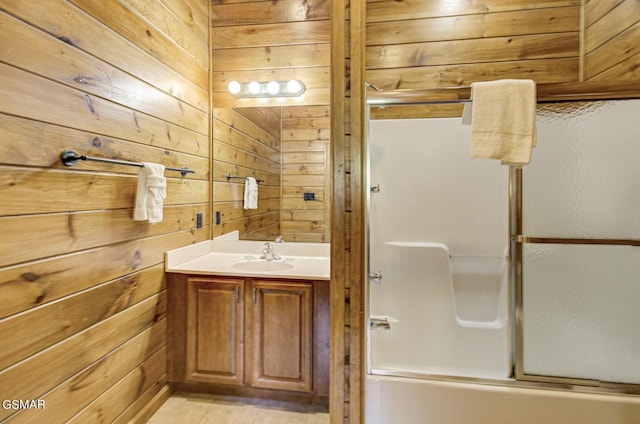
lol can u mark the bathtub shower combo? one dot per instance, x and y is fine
(502, 295)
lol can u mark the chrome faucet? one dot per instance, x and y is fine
(268, 253)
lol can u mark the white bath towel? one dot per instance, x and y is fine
(503, 122)
(150, 193)
(251, 193)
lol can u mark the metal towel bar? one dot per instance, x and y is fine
(70, 158)
(229, 176)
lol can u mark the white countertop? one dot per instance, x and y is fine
(242, 258)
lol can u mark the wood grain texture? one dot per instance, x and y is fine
(66, 23)
(257, 12)
(81, 191)
(33, 97)
(384, 10)
(612, 40)
(265, 338)
(215, 331)
(145, 353)
(250, 58)
(83, 288)
(355, 291)
(417, 111)
(338, 406)
(421, 45)
(36, 283)
(279, 335)
(306, 169)
(473, 51)
(270, 40)
(594, 10)
(78, 69)
(121, 18)
(55, 321)
(467, 27)
(45, 370)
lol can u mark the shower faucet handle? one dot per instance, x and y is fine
(376, 277)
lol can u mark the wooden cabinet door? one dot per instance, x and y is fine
(215, 330)
(279, 335)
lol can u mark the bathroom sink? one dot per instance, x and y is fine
(262, 266)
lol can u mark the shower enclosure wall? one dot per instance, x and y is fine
(513, 280)
(439, 235)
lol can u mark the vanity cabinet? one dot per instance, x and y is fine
(215, 331)
(278, 334)
(258, 337)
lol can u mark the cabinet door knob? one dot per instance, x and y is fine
(254, 295)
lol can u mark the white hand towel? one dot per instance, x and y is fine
(150, 193)
(251, 193)
(503, 123)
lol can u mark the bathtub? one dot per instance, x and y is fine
(439, 351)
(390, 400)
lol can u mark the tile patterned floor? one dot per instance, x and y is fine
(189, 408)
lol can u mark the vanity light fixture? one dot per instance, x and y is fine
(290, 88)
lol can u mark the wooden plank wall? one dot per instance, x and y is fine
(270, 40)
(247, 142)
(428, 44)
(612, 40)
(82, 316)
(306, 168)
(455, 45)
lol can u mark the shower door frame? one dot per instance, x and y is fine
(547, 93)
(518, 240)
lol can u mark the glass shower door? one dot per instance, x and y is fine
(580, 287)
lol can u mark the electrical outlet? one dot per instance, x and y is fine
(198, 220)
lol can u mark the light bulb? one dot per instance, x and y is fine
(234, 87)
(254, 87)
(293, 86)
(273, 88)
